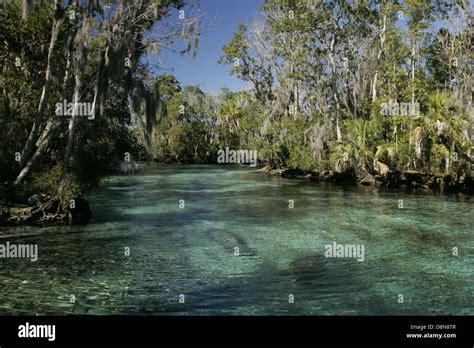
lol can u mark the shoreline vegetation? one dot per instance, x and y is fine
(363, 92)
(411, 180)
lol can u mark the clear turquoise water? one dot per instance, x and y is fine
(190, 251)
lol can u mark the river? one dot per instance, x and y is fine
(214, 239)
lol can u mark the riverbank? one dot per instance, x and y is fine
(48, 213)
(403, 180)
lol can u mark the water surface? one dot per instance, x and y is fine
(191, 251)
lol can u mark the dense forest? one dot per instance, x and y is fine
(375, 92)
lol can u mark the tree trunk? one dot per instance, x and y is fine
(26, 8)
(413, 52)
(37, 125)
(71, 128)
(49, 131)
(379, 55)
(334, 82)
(50, 128)
(82, 41)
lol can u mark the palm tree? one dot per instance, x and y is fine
(443, 124)
(353, 152)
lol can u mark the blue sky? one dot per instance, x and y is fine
(204, 70)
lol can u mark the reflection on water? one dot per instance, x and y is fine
(192, 251)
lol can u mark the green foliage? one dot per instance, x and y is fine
(304, 49)
(96, 71)
(320, 74)
(45, 181)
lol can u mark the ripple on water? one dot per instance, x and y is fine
(192, 251)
